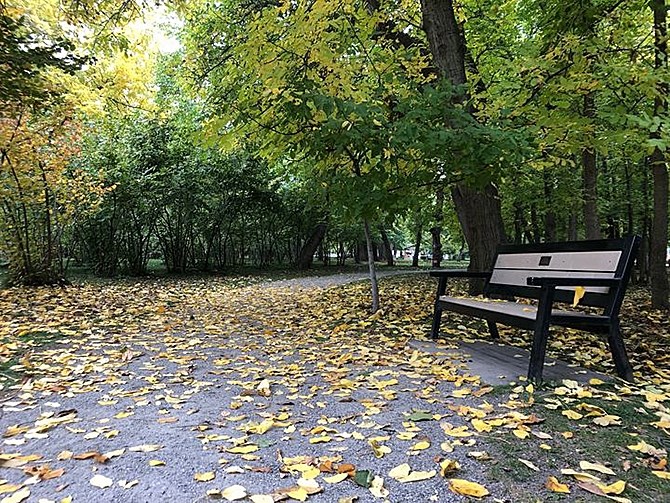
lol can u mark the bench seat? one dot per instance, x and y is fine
(517, 314)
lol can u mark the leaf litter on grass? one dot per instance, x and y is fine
(315, 380)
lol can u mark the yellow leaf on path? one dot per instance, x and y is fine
(567, 435)
(298, 493)
(156, 462)
(234, 493)
(529, 464)
(595, 381)
(243, 449)
(607, 420)
(581, 476)
(420, 446)
(662, 475)
(481, 425)
(571, 414)
(400, 471)
(145, 448)
(467, 488)
(404, 473)
(585, 465)
(615, 488)
(595, 488)
(646, 448)
(378, 450)
(449, 466)
(377, 488)
(122, 415)
(520, 433)
(204, 477)
(579, 293)
(8, 488)
(262, 498)
(101, 481)
(555, 486)
(335, 479)
(320, 440)
(17, 497)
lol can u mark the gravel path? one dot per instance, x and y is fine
(336, 279)
(241, 401)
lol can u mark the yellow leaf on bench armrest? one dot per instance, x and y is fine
(579, 293)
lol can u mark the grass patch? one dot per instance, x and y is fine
(607, 445)
(14, 351)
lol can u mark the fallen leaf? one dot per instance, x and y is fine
(467, 488)
(17, 497)
(337, 478)
(555, 486)
(529, 464)
(204, 477)
(101, 481)
(585, 465)
(234, 493)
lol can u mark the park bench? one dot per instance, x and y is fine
(550, 273)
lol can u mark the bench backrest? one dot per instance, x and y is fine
(604, 258)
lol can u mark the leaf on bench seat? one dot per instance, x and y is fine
(579, 293)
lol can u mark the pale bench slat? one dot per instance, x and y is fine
(549, 273)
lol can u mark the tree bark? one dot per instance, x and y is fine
(417, 245)
(660, 290)
(436, 230)
(447, 45)
(480, 218)
(306, 256)
(549, 214)
(371, 266)
(388, 250)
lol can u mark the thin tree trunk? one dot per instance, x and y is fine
(417, 245)
(371, 266)
(590, 175)
(660, 289)
(388, 251)
(436, 230)
(549, 214)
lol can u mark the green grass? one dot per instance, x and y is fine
(597, 444)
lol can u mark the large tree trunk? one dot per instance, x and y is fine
(480, 218)
(660, 289)
(478, 210)
(306, 255)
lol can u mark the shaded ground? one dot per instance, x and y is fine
(170, 389)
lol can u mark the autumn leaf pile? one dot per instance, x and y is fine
(218, 388)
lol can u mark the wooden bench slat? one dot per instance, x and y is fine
(595, 261)
(519, 277)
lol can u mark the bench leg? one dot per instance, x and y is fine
(623, 367)
(541, 335)
(493, 329)
(437, 319)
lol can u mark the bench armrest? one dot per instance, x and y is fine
(458, 273)
(574, 281)
(444, 274)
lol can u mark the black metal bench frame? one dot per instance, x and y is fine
(550, 273)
